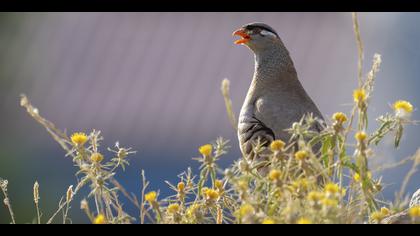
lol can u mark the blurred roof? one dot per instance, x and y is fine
(155, 76)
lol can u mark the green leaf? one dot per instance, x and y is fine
(398, 135)
(326, 145)
(347, 163)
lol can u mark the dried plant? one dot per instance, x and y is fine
(302, 185)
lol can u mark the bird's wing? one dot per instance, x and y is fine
(250, 129)
(318, 127)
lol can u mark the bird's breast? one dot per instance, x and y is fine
(277, 114)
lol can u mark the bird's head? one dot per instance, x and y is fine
(257, 36)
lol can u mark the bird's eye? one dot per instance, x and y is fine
(267, 33)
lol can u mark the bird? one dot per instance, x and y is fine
(276, 98)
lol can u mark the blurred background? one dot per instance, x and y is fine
(152, 82)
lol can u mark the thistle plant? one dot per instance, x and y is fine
(95, 171)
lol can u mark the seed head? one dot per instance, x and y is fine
(173, 209)
(69, 194)
(97, 157)
(36, 192)
(339, 117)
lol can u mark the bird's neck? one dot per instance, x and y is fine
(269, 55)
(270, 64)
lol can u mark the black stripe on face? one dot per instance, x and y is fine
(260, 26)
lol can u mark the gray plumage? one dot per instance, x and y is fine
(415, 200)
(275, 99)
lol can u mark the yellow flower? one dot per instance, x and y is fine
(274, 175)
(173, 209)
(206, 150)
(277, 193)
(277, 145)
(290, 188)
(218, 184)
(328, 202)
(340, 117)
(79, 139)
(204, 191)
(96, 157)
(302, 184)
(246, 209)
(243, 185)
(181, 187)
(99, 220)
(304, 221)
(315, 196)
(151, 197)
(377, 216)
(403, 105)
(403, 109)
(331, 188)
(211, 194)
(359, 95)
(356, 176)
(192, 210)
(268, 221)
(385, 211)
(360, 136)
(301, 155)
(414, 212)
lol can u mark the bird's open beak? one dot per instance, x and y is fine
(245, 37)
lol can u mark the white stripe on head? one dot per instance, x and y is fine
(268, 33)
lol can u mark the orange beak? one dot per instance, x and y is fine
(245, 37)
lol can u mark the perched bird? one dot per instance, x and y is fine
(276, 99)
